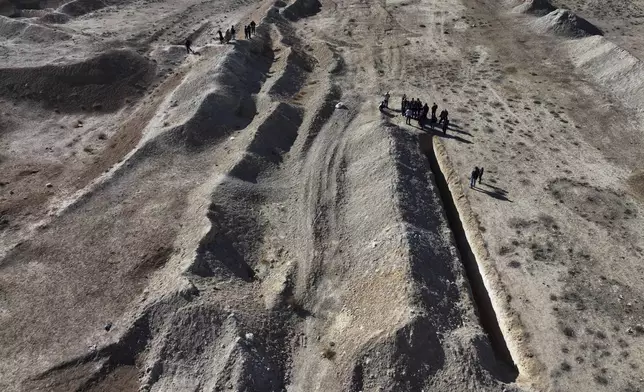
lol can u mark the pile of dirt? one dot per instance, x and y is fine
(24, 31)
(55, 18)
(17, 7)
(28, 13)
(566, 23)
(102, 83)
(534, 7)
(228, 105)
(82, 7)
(610, 66)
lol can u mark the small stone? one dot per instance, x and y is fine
(108, 326)
(249, 336)
(49, 185)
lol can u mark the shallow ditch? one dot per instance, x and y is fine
(485, 310)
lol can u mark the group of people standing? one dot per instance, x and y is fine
(225, 38)
(415, 109)
(249, 30)
(229, 35)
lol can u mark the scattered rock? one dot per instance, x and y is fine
(49, 185)
(108, 326)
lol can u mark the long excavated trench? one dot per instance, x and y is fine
(485, 310)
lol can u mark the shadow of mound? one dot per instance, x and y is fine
(534, 7)
(301, 9)
(103, 83)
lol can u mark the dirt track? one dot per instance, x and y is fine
(213, 222)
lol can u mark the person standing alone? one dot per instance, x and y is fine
(232, 32)
(188, 46)
(475, 175)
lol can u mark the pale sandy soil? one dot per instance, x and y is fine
(212, 222)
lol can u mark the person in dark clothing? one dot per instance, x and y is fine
(434, 108)
(221, 36)
(425, 111)
(188, 46)
(481, 175)
(403, 104)
(445, 125)
(232, 32)
(252, 27)
(474, 177)
(247, 32)
(443, 116)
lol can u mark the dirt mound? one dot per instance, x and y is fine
(610, 66)
(55, 18)
(224, 109)
(82, 7)
(28, 13)
(101, 83)
(535, 7)
(566, 23)
(16, 7)
(20, 30)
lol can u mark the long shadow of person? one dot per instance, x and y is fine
(440, 133)
(456, 128)
(385, 111)
(435, 130)
(494, 191)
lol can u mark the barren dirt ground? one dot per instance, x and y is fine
(210, 222)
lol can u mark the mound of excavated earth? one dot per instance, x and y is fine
(566, 23)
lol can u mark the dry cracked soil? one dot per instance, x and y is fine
(245, 218)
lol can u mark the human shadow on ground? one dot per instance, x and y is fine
(387, 113)
(493, 191)
(457, 128)
(439, 132)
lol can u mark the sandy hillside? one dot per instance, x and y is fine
(214, 221)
